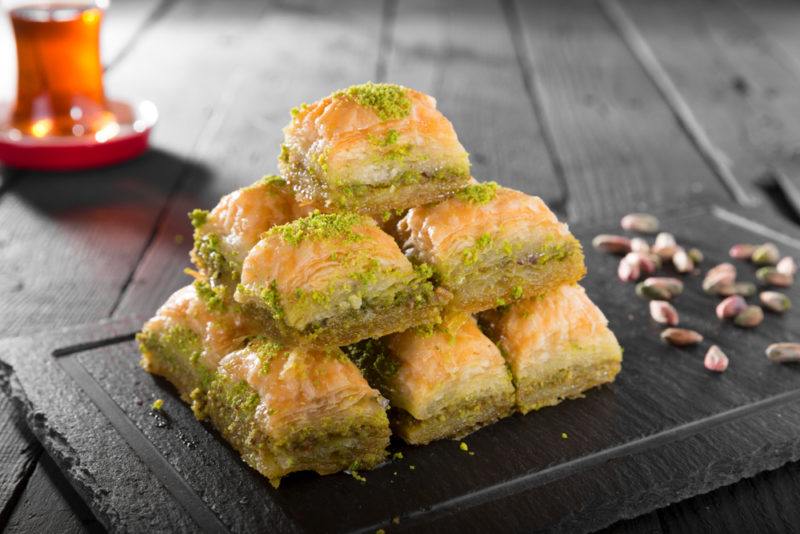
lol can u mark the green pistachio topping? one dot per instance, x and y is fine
(374, 359)
(198, 217)
(320, 226)
(388, 101)
(478, 193)
(157, 404)
(266, 350)
(270, 179)
(213, 297)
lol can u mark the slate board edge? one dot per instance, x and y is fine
(782, 453)
(56, 445)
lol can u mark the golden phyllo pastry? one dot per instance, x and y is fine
(443, 382)
(187, 338)
(224, 236)
(334, 279)
(295, 409)
(490, 246)
(372, 148)
(557, 346)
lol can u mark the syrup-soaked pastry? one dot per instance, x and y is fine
(334, 279)
(557, 346)
(188, 336)
(297, 408)
(372, 148)
(490, 245)
(444, 381)
(224, 235)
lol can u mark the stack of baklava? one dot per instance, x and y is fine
(375, 287)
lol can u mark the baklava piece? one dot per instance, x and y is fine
(298, 409)
(372, 148)
(334, 279)
(187, 338)
(557, 346)
(490, 246)
(442, 382)
(224, 236)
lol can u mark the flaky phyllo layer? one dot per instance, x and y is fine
(372, 148)
(490, 246)
(557, 346)
(335, 279)
(224, 236)
(298, 409)
(442, 381)
(284, 408)
(191, 332)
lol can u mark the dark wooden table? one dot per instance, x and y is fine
(599, 108)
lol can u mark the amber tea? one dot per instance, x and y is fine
(60, 77)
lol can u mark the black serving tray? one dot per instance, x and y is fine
(667, 429)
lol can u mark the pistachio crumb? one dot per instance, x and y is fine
(564, 435)
(387, 100)
(396, 520)
(398, 456)
(412, 467)
(158, 404)
(198, 217)
(463, 446)
(478, 193)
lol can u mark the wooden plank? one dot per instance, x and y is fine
(667, 429)
(616, 139)
(479, 86)
(288, 61)
(61, 258)
(51, 505)
(730, 74)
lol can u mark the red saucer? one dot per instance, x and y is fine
(69, 153)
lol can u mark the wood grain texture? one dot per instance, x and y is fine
(616, 139)
(479, 86)
(733, 77)
(288, 60)
(666, 430)
(70, 241)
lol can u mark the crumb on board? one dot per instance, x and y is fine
(564, 435)
(396, 520)
(412, 467)
(397, 456)
(463, 446)
(157, 404)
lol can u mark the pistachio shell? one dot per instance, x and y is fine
(766, 254)
(741, 251)
(751, 317)
(640, 222)
(614, 244)
(663, 312)
(775, 301)
(784, 352)
(681, 337)
(715, 359)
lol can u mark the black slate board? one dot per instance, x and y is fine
(666, 430)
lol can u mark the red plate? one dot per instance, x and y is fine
(69, 153)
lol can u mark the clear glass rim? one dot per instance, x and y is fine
(8, 5)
